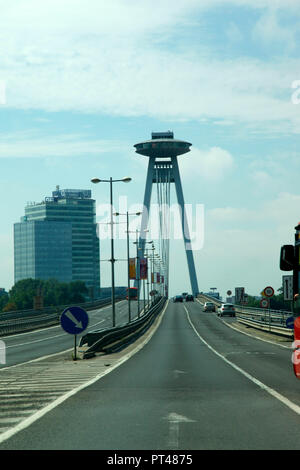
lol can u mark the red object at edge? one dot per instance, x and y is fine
(296, 348)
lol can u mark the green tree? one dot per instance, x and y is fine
(23, 292)
(77, 292)
(54, 293)
(3, 300)
(9, 307)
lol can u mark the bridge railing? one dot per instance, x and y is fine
(109, 340)
(273, 321)
(27, 320)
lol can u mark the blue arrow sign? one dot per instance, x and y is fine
(290, 323)
(74, 320)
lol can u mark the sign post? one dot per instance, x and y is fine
(268, 292)
(74, 320)
(239, 294)
(287, 287)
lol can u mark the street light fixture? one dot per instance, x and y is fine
(126, 179)
(148, 263)
(138, 266)
(128, 267)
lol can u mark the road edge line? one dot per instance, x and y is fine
(292, 406)
(39, 414)
(252, 336)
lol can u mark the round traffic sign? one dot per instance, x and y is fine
(269, 291)
(229, 292)
(74, 320)
(264, 303)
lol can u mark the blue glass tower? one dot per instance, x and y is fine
(58, 239)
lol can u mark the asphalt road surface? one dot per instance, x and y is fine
(197, 384)
(31, 345)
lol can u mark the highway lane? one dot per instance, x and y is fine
(269, 363)
(32, 345)
(191, 387)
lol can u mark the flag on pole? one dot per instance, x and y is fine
(143, 268)
(132, 270)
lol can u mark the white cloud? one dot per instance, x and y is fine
(210, 165)
(269, 31)
(229, 215)
(234, 33)
(278, 216)
(108, 58)
(262, 179)
(242, 246)
(32, 144)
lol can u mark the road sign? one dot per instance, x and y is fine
(239, 294)
(290, 323)
(74, 320)
(287, 284)
(264, 303)
(229, 292)
(269, 291)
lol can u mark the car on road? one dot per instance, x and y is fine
(189, 298)
(178, 298)
(184, 294)
(209, 307)
(226, 309)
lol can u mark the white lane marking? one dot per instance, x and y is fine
(251, 335)
(37, 359)
(260, 384)
(174, 421)
(27, 422)
(34, 341)
(58, 326)
(46, 339)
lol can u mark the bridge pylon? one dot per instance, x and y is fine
(163, 170)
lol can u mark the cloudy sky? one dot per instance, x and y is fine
(82, 81)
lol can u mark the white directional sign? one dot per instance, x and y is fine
(74, 320)
(287, 284)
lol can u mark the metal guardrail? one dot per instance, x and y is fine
(27, 320)
(273, 321)
(114, 339)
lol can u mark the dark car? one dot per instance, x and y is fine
(189, 298)
(209, 307)
(178, 298)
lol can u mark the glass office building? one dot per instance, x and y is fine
(58, 239)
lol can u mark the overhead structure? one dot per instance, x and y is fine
(163, 170)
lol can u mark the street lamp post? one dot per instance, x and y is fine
(138, 267)
(128, 257)
(111, 181)
(138, 271)
(148, 262)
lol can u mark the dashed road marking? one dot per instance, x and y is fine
(42, 385)
(292, 406)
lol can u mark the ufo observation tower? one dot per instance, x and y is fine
(162, 151)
